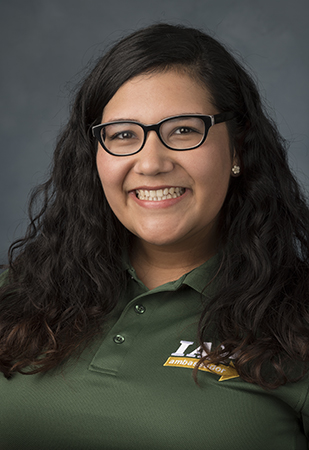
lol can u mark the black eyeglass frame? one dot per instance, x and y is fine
(209, 121)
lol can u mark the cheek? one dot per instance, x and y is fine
(212, 176)
(112, 174)
(106, 171)
(214, 166)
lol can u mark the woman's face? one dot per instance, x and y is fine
(201, 175)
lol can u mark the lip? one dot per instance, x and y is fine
(162, 204)
(154, 188)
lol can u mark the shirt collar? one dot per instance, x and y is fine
(202, 275)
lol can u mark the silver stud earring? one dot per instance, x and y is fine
(236, 169)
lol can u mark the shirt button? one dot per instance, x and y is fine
(139, 309)
(118, 339)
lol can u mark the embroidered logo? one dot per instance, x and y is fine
(189, 361)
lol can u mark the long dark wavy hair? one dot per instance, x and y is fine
(65, 275)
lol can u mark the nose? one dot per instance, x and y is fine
(154, 158)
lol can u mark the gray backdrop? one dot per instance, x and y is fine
(45, 46)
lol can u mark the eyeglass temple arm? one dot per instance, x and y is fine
(222, 117)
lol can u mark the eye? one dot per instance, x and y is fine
(122, 135)
(185, 130)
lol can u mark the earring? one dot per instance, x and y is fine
(236, 169)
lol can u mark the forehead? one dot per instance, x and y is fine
(156, 96)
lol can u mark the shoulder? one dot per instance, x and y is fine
(4, 278)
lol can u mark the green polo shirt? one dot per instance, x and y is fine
(133, 388)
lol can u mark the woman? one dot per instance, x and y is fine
(172, 236)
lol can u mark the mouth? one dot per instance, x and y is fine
(159, 194)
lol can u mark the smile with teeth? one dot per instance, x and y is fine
(159, 194)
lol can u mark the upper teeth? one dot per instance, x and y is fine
(159, 194)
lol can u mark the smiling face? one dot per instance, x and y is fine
(166, 197)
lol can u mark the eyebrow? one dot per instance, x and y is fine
(126, 119)
(122, 119)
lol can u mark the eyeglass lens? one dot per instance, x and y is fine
(179, 133)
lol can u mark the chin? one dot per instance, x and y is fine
(158, 239)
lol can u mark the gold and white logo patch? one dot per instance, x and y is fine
(189, 361)
(226, 372)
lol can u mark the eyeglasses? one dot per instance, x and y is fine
(185, 132)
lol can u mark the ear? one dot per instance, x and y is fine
(235, 169)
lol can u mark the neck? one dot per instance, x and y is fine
(157, 265)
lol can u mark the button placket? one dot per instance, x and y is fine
(139, 309)
(109, 357)
(118, 339)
